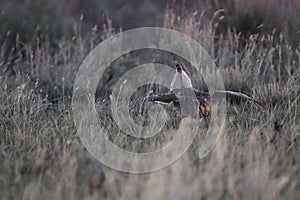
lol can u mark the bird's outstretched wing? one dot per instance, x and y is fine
(231, 94)
(204, 97)
(163, 97)
(174, 95)
(187, 97)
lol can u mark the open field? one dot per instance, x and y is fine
(257, 157)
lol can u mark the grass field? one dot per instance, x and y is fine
(257, 157)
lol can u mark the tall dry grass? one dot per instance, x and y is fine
(257, 157)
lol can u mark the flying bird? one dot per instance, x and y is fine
(183, 94)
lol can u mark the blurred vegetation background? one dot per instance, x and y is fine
(31, 25)
(29, 19)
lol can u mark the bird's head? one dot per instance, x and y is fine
(178, 68)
